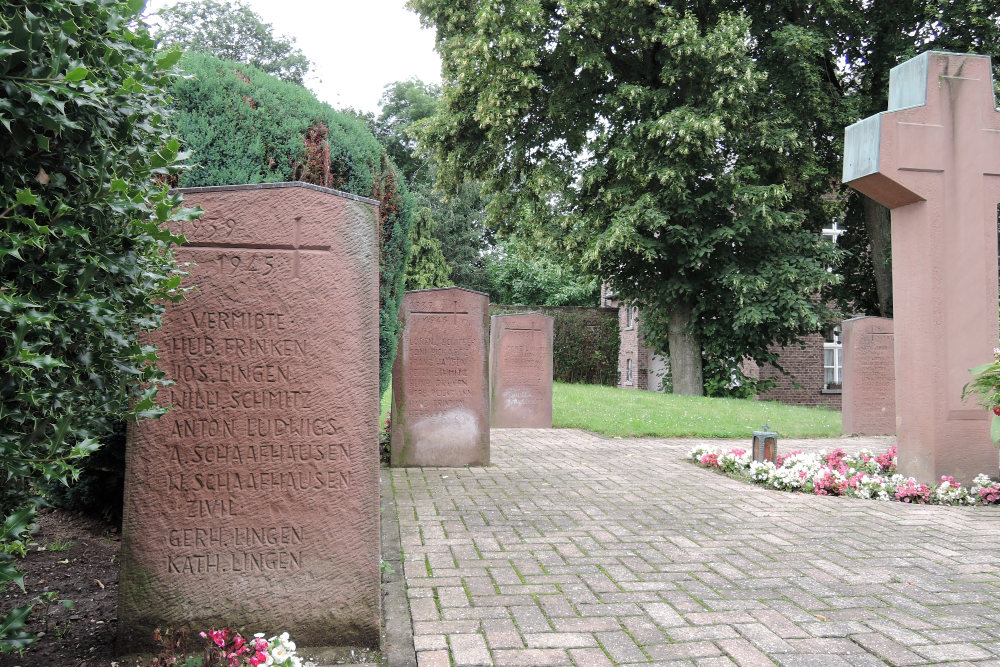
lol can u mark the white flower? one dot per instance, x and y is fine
(259, 635)
(279, 654)
(283, 636)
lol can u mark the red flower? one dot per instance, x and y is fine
(996, 411)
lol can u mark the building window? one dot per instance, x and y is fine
(833, 232)
(628, 317)
(833, 360)
(628, 371)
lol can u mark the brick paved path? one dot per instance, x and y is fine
(573, 549)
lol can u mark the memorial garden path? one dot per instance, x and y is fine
(576, 549)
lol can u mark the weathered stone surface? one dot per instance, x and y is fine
(934, 159)
(521, 371)
(440, 398)
(869, 400)
(254, 503)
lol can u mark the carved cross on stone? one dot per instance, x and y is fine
(934, 159)
(454, 311)
(296, 247)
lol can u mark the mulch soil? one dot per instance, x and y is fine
(86, 572)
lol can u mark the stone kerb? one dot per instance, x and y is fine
(254, 503)
(934, 159)
(521, 371)
(869, 399)
(440, 395)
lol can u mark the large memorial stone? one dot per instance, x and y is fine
(521, 371)
(869, 398)
(934, 159)
(440, 398)
(254, 502)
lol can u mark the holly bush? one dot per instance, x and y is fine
(85, 261)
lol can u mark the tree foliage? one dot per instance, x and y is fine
(426, 266)
(518, 275)
(642, 140)
(473, 256)
(84, 261)
(231, 31)
(245, 126)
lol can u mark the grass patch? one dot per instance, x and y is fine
(630, 413)
(384, 404)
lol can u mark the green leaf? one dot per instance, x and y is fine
(77, 74)
(995, 429)
(26, 197)
(169, 59)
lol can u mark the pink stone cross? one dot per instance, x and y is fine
(934, 159)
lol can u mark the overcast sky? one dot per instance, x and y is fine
(356, 46)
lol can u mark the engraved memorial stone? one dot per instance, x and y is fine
(934, 159)
(254, 502)
(521, 371)
(869, 399)
(440, 401)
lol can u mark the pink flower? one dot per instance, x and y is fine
(911, 492)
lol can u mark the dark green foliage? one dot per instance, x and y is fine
(426, 266)
(585, 342)
(84, 263)
(232, 31)
(100, 488)
(245, 126)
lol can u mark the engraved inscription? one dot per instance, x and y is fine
(233, 440)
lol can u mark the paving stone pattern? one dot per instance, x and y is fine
(574, 549)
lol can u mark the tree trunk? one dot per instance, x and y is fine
(879, 233)
(685, 354)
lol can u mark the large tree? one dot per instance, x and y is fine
(642, 140)
(232, 31)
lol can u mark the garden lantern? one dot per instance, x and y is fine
(764, 445)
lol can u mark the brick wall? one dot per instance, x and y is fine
(805, 363)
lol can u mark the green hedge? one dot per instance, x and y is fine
(584, 341)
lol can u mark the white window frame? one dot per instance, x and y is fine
(835, 345)
(628, 371)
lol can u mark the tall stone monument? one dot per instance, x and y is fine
(868, 405)
(440, 397)
(934, 159)
(254, 502)
(521, 371)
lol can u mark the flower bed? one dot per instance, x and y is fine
(837, 473)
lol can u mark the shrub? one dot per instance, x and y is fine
(84, 261)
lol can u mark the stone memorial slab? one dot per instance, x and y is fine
(869, 398)
(254, 502)
(521, 371)
(934, 159)
(440, 397)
